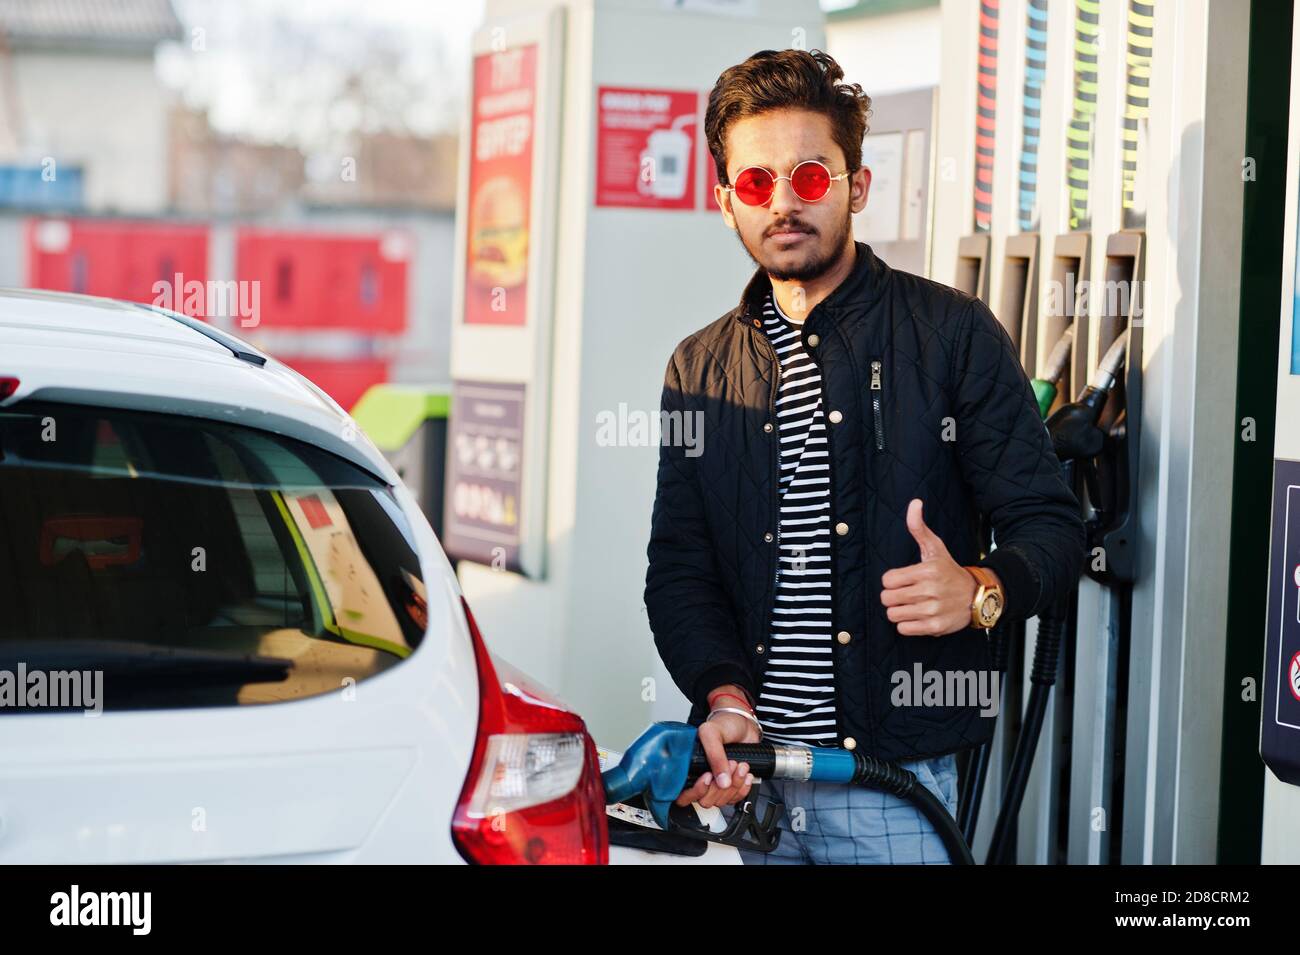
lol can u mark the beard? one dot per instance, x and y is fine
(818, 261)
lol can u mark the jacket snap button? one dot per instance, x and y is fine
(850, 743)
(767, 426)
(759, 648)
(757, 323)
(813, 341)
(843, 636)
(841, 528)
(835, 417)
(767, 536)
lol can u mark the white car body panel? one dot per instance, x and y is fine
(372, 779)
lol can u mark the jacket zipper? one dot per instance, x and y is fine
(875, 405)
(878, 420)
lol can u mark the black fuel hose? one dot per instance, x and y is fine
(968, 807)
(1047, 654)
(867, 771)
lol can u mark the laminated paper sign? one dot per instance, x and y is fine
(484, 473)
(646, 148)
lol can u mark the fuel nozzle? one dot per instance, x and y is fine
(1073, 427)
(1045, 387)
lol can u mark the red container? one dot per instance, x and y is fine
(311, 280)
(118, 259)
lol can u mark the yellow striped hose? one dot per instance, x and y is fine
(1078, 137)
(1137, 99)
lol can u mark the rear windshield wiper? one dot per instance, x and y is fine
(143, 664)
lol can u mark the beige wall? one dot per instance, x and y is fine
(105, 113)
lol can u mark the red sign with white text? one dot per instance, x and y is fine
(645, 148)
(500, 186)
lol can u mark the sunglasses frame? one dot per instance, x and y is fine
(790, 178)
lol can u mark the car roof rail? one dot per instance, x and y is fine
(240, 350)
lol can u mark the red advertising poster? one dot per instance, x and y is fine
(500, 186)
(645, 148)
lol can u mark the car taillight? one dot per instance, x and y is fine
(7, 387)
(534, 793)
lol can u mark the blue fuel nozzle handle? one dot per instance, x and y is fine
(655, 767)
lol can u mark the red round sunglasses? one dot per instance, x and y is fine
(810, 180)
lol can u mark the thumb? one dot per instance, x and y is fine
(927, 540)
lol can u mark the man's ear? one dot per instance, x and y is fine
(722, 196)
(860, 182)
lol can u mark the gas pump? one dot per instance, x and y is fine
(1076, 149)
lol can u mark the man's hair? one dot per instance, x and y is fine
(787, 79)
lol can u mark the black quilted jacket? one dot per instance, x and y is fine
(935, 405)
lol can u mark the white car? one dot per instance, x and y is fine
(228, 633)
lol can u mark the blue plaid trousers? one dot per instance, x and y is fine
(838, 824)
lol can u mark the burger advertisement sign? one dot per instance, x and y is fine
(500, 186)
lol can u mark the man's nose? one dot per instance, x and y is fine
(784, 199)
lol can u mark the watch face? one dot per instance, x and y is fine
(990, 607)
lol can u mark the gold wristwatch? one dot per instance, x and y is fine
(989, 600)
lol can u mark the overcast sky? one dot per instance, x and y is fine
(276, 70)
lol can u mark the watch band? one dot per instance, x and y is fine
(983, 577)
(986, 583)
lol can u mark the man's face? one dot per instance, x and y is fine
(792, 240)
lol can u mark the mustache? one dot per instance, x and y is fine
(789, 227)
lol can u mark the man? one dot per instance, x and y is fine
(822, 550)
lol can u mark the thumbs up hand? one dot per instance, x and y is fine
(931, 598)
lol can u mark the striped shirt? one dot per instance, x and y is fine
(796, 702)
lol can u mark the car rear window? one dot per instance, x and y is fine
(196, 563)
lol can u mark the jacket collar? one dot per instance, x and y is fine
(859, 287)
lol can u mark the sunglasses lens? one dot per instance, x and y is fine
(754, 186)
(811, 181)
